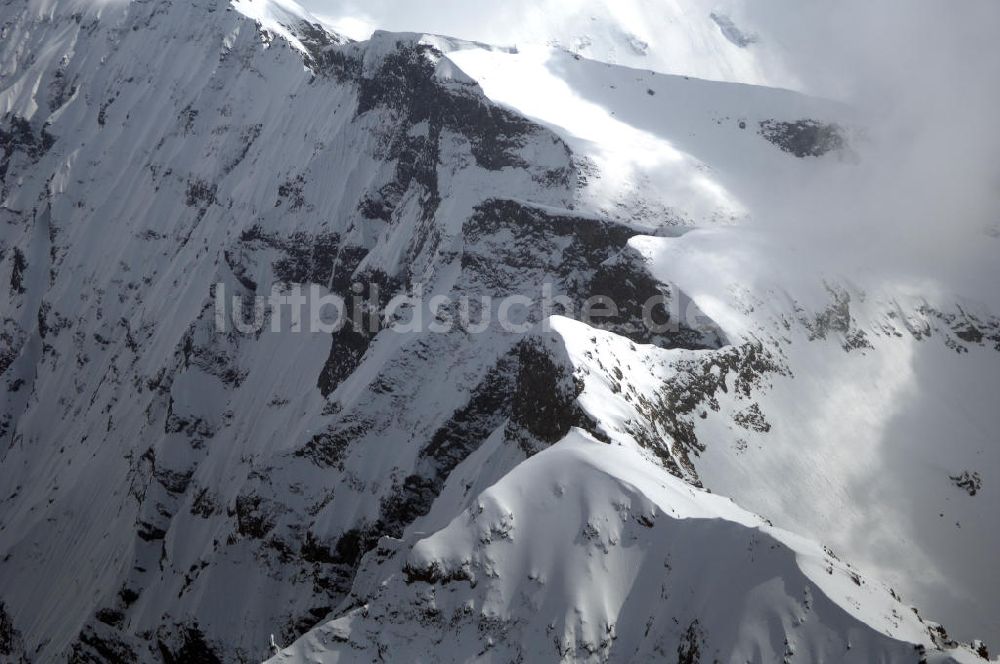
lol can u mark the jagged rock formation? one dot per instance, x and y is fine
(181, 492)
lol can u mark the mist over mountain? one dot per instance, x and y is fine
(592, 331)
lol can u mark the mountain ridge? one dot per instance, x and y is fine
(203, 490)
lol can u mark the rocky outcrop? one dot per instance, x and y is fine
(199, 157)
(804, 138)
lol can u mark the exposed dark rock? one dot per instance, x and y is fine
(489, 405)
(669, 430)
(328, 449)
(315, 551)
(308, 259)
(804, 138)
(629, 285)
(255, 516)
(205, 504)
(149, 532)
(544, 401)
(970, 482)
(60, 88)
(962, 328)
(290, 191)
(98, 644)
(303, 622)
(173, 481)
(528, 387)
(836, 318)
(939, 635)
(372, 292)
(405, 83)
(186, 645)
(11, 339)
(753, 419)
(186, 119)
(20, 137)
(347, 350)
(513, 248)
(433, 574)
(112, 617)
(200, 194)
(322, 55)
(10, 639)
(213, 353)
(351, 545)
(691, 643)
(511, 238)
(19, 265)
(303, 258)
(127, 596)
(532, 388)
(338, 64)
(971, 334)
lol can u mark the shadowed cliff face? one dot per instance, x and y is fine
(169, 169)
(182, 491)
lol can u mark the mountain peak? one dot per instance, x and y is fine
(292, 22)
(548, 369)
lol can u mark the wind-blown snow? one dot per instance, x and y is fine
(675, 36)
(867, 416)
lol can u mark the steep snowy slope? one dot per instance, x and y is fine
(586, 552)
(893, 388)
(170, 492)
(693, 37)
(168, 489)
(677, 149)
(878, 403)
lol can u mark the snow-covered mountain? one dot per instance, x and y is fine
(170, 492)
(707, 39)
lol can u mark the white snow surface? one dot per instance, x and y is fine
(672, 36)
(586, 552)
(276, 16)
(847, 422)
(156, 476)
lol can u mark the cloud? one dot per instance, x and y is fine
(925, 78)
(922, 74)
